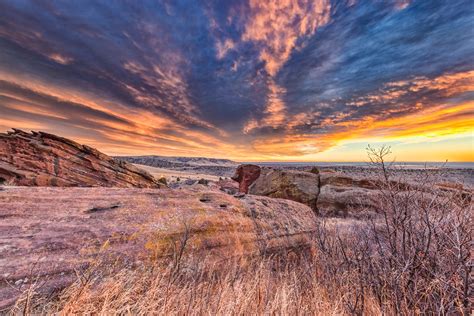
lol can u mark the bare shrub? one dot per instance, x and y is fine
(415, 257)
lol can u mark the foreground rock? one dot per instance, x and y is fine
(227, 186)
(41, 159)
(342, 201)
(327, 193)
(51, 232)
(331, 193)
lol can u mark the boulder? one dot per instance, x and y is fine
(56, 233)
(245, 175)
(203, 181)
(42, 159)
(299, 186)
(342, 201)
(341, 195)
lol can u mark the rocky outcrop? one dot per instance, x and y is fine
(293, 185)
(330, 194)
(42, 159)
(56, 232)
(245, 175)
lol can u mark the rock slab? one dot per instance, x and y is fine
(51, 232)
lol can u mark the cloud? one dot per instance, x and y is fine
(223, 47)
(242, 79)
(34, 107)
(279, 26)
(61, 59)
(419, 107)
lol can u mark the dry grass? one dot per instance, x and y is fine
(259, 287)
(415, 257)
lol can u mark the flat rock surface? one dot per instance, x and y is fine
(51, 232)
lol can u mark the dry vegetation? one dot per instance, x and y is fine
(414, 257)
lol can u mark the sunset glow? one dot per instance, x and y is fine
(245, 80)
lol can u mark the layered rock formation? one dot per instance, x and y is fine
(42, 159)
(51, 232)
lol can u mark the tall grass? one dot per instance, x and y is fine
(258, 287)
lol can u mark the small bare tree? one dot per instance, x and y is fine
(415, 256)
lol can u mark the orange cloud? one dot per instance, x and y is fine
(275, 109)
(431, 123)
(136, 130)
(427, 121)
(141, 131)
(272, 25)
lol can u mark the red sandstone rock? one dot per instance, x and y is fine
(42, 159)
(51, 232)
(245, 175)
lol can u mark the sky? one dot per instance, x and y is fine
(247, 80)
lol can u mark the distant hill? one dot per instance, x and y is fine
(178, 162)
